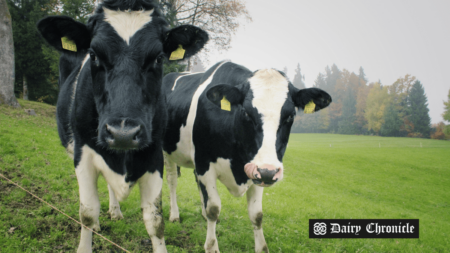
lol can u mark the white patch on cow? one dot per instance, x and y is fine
(225, 175)
(127, 23)
(172, 180)
(72, 97)
(114, 207)
(78, 75)
(117, 182)
(150, 186)
(184, 155)
(186, 74)
(270, 91)
(254, 208)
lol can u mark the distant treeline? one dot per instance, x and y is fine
(399, 109)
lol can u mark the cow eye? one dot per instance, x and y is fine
(159, 59)
(92, 56)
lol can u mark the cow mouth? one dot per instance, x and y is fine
(265, 175)
(264, 183)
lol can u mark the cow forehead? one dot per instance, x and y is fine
(270, 91)
(127, 23)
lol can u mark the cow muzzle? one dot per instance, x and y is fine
(123, 136)
(265, 175)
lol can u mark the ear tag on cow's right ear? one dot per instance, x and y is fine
(309, 108)
(225, 104)
(177, 54)
(68, 44)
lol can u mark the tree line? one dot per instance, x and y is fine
(399, 109)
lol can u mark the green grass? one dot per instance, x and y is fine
(359, 177)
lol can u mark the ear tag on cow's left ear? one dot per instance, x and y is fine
(309, 108)
(68, 44)
(177, 54)
(225, 104)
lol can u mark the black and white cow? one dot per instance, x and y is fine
(111, 114)
(243, 147)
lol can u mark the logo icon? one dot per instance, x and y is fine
(320, 228)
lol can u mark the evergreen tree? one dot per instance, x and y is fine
(320, 81)
(418, 109)
(392, 122)
(362, 75)
(298, 81)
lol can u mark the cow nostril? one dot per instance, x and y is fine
(136, 133)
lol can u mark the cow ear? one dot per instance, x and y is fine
(57, 30)
(302, 97)
(186, 37)
(232, 94)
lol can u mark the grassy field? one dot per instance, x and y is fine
(326, 176)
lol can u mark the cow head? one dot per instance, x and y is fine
(123, 45)
(264, 108)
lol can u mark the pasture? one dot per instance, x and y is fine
(357, 177)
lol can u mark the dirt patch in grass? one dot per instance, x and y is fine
(27, 202)
(181, 240)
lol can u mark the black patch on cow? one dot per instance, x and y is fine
(258, 220)
(304, 96)
(213, 213)
(54, 28)
(204, 192)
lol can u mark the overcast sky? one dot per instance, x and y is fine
(389, 39)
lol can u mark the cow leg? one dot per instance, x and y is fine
(87, 177)
(212, 205)
(150, 186)
(172, 178)
(254, 206)
(201, 197)
(114, 207)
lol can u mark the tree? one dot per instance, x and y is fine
(362, 75)
(439, 133)
(320, 81)
(7, 57)
(446, 114)
(32, 70)
(78, 9)
(298, 81)
(377, 100)
(220, 18)
(418, 109)
(392, 121)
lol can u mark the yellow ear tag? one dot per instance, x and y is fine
(68, 44)
(309, 108)
(225, 104)
(177, 54)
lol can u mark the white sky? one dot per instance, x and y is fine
(388, 38)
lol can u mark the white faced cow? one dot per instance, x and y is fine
(241, 144)
(111, 114)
